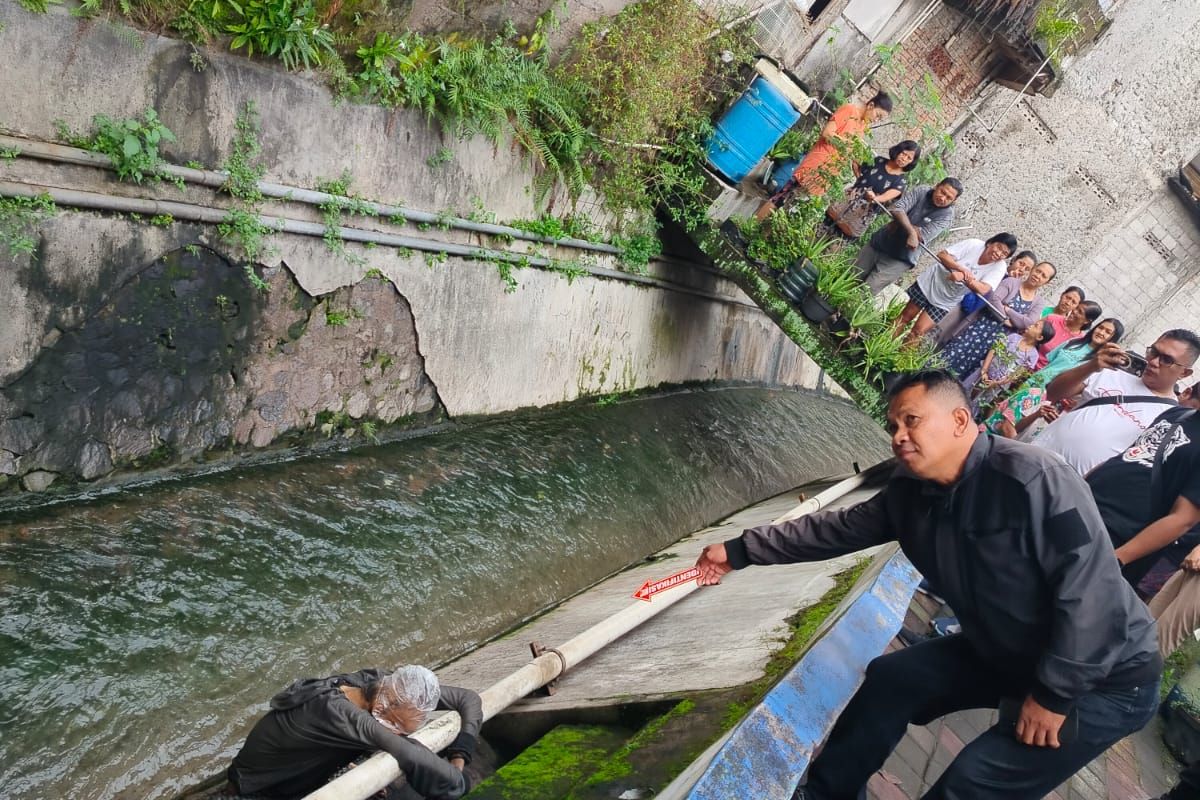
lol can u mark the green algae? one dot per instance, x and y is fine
(552, 765)
(669, 743)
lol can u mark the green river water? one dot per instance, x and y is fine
(142, 632)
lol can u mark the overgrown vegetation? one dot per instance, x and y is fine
(243, 227)
(18, 218)
(333, 210)
(130, 144)
(1057, 27)
(626, 107)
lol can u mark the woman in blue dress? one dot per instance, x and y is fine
(1022, 306)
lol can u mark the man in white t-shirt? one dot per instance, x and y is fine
(1114, 407)
(971, 265)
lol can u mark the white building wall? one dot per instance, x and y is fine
(1081, 177)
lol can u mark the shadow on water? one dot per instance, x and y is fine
(141, 633)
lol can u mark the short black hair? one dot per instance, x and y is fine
(1189, 338)
(953, 183)
(940, 381)
(1005, 239)
(1029, 254)
(1077, 290)
(905, 146)
(882, 100)
(1054, 269)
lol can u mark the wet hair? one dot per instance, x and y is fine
(935, 381)
(1188, 338)
(882, 100)
(906, 146)
(1029, 254)
(1005, 239)
(953, 183)
(1086, 341)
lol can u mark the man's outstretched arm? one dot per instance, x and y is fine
(813, 537)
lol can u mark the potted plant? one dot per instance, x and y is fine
(802, 273)
(835, 285)
(862, 318)
(881, 350)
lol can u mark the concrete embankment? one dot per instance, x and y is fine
(676, 684)
(128, 344)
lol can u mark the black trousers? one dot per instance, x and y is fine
(940, 676)
(1188, 787)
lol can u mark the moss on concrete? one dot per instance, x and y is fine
(665, 746)
(551, 766)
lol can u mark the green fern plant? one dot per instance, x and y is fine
(285, 29)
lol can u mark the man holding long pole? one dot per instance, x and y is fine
(1051, 633)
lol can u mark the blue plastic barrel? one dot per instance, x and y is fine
(749, 129)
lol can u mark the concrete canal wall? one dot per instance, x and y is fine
(125, 344)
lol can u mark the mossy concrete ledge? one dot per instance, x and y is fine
(767, 753)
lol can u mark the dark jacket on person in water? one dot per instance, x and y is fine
(1017, 548)
(313, 730)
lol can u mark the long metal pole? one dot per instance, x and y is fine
(381, 769)
(998, 312)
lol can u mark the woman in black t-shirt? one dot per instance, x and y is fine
(883, 181)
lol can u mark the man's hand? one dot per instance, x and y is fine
(1038, 726)
(1111, 356)
(713, 565)
(913, 241)
(869, 195)
(1049, 412)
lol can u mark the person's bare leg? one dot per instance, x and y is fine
(906, 316)
(924, 325)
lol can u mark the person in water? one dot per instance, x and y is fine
(318, 726)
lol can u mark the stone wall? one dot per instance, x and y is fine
(125, 344)
(1080, 177)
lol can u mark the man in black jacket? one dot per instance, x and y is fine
(317, 726)
(1011, 537)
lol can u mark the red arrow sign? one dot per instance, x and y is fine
(651, 588)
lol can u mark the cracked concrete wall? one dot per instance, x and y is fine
(136, 345)
(454, 340)
(1080, 177)
(180, 357)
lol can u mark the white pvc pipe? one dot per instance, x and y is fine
(381, 769)
(215, 179)
(214, 216)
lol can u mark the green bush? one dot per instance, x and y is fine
(131, 144)
(285, 29)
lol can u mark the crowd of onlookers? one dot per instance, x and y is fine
(1050, 371)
